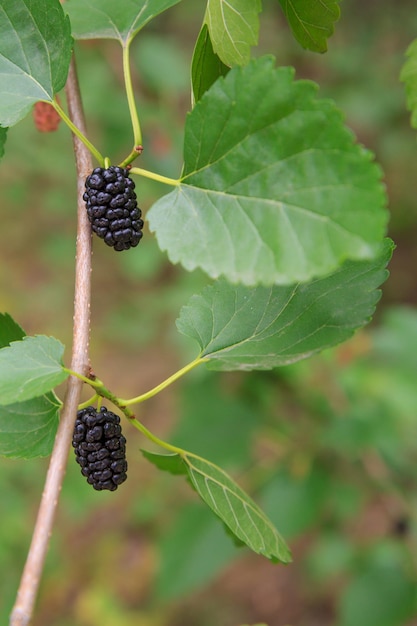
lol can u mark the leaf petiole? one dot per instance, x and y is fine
(164, 384)
(158, 177)
(77, 132)
(137, 133)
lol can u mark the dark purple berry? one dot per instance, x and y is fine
(100, 448)
(112, 207)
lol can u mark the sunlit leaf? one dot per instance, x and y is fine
(35, 52)
(112, 19)
(233, 26)
(30, 368)
(311, 21)
(263, 327)
(274, 188)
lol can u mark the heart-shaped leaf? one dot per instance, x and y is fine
(312, 23)
(264, 327)
(112, 19)
(35, 52)
(274, 189)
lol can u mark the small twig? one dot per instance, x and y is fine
(23, 609)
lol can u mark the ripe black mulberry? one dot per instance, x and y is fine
(112, 207)
(100, 448)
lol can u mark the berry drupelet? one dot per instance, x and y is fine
(100, 448)
(112, 207)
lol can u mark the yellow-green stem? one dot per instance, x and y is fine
(137, 133)
(162, 179)
(78, 133)
(164, 384)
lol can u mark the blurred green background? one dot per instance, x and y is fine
(328, 446)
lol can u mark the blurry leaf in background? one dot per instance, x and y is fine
(112, 19)
(383, 593)
(233, 28)
(395, 338)
(187, 557)
(3, 137)
(206, 65)
(279, 176)
(239, 328)
(295, 503)
(35, 52)
(161, 64)
(409, 77)
(311, 21)
(211, 416)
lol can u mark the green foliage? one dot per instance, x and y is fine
(30, 368)
(311, 21)
(3, 137)
(9, 330)
(228, 501)
(382, 594)
(233, 28)
(27, 429)
(277, 176)
(206, 65)
(35, 51)
(106, 19)
(409, 77)
(187, 552)
(264, 327)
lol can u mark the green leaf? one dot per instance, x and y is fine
(311, 21)
(209, 401)
(275, 190)
(383, 594)
(193, 551)
(234, 507)
(112, 19)
(228, 501)
(27, 429)
(171, 463)
(259, 328)
(9, 330)
(3, 137)
(233, 26)
(409, 77)
(30, 368)
(35, 52)
(206, 66)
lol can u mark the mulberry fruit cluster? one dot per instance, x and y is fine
(112, 207)
(100, 448)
